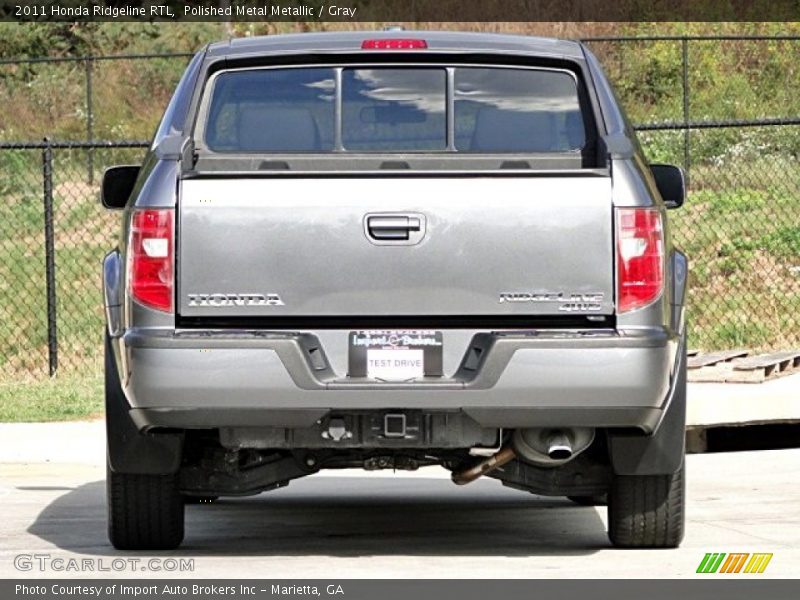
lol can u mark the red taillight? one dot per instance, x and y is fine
(394, 44)
(151, 267)
(640, 257)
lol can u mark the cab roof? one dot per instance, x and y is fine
(437, 41)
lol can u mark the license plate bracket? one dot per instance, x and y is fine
(395, 355)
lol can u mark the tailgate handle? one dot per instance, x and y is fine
(392, 227)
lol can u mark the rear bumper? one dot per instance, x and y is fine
(208, 379)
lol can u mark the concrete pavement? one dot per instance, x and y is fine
(355, 524)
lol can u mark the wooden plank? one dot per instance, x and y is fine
(735, 366)
(782, 360)
(712, 358)
(743, 370)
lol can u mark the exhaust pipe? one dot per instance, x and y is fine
(506, 455)
(541, 447)
(559, 446)
(551, 447)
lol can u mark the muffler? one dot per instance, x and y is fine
(551, 447)
(541, 447)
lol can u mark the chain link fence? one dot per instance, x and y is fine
(728, 110)
(739, 144)
(53, 235)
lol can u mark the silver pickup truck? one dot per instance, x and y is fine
(387, 251)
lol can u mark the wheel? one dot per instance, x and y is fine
(145, 512)
(647, 511)
(600, 500)
(199, 499)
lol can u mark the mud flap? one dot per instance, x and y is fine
(660, 453)
(128, 450)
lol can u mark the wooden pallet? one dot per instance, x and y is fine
(768, 366)
(737, 366)
(701, 359)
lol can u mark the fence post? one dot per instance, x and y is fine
(89, 119)
(50, 257)
(685, 61)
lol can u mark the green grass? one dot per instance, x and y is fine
(84, 232)
(740, 232)
(59, 399)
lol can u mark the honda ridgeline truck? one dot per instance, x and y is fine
(387, 251)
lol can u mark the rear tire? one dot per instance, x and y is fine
(145, 512)
(647, 511)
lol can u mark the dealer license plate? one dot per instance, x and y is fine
(395, 355)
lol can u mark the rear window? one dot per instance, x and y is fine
(272, 110)
(390, 110)
(395, 109)
(515, 110)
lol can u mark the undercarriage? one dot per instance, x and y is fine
(250, 460)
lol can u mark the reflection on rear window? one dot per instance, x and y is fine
(272, 110)
(516, 110)
(395, 109)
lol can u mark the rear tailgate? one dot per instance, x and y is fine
(482, 245)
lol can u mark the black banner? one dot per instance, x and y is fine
(402, 10)
(350, 589)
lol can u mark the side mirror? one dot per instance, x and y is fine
(671, 184)
(118, 183)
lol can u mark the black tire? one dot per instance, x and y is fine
(647, 511)
(145, 512)
(600, 500)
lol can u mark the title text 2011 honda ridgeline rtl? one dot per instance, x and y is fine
(393, 250)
